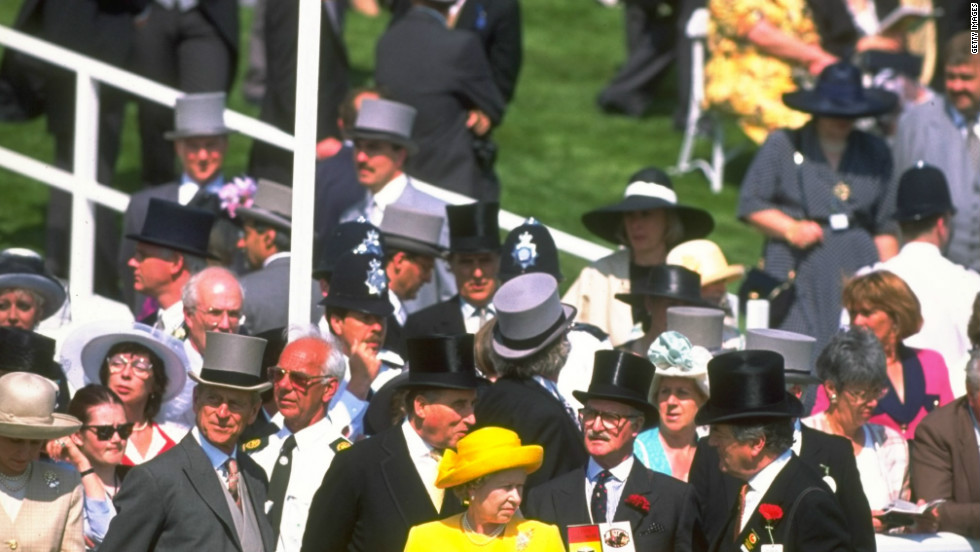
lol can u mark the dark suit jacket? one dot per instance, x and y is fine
(812, 519)
(667, 527)
(498, 25)
(525, 407)
(223, 15)
(443, 318)
(370, 498)
(176, 502)
(279, 102)
(267, 297)
(337, 189)
(944, 465)
(716, 492)
(443, 73)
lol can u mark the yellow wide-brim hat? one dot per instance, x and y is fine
(485, 451)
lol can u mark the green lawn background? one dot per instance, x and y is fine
(559, 155)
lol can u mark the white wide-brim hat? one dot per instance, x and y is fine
(27, 403)
(86, 348)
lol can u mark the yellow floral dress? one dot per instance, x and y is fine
(743, 80)
(521, 535)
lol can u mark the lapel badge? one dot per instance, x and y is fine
(377, 282)
(842, 191)
(751, 540)
(525, 253)
(371, 245)
(51, 479)
(12, 544)
(340, 444)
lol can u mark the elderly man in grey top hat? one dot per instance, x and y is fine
(200, 139)
(411, 251)
(202, 494)
(529, 349)
(265, 240)
(944, 288)
(829, 455)
(382, 143)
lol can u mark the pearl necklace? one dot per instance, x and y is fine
(140, 427)
(16, 483)
(468, 529)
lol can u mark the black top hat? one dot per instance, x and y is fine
(23, 268)
(442, 361)
(922, 192)
(357, 235)
(747, 385)
(174, 226)
(473, 228)
(623, 377)
(649, 188)
(839, 93)
(360, 284)
(668, 281)
(27, 351)
(529, 248)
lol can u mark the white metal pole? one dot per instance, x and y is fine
(304, 158)
(82, 210)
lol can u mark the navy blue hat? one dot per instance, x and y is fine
(747, 385)
(23, 268)
(922, 193)
(529, 248)
(473, 228)
(359, 236)
(442, 361)
(175, 226)
(648, 188)
(26, 351)
(360, 284)
(622, 377)
(839, 93)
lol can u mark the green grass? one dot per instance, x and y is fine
(559, 155)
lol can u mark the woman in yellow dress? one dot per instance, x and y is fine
(487, 474)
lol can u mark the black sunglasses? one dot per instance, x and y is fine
(104, 432)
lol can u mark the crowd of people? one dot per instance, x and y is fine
(442, 394)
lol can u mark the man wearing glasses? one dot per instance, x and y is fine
(297, 456)
(613, 485)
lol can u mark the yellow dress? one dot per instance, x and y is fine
(446, 535)
(741, 79)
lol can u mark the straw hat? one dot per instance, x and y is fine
(707, 259)
(27, 408)
(485, 451)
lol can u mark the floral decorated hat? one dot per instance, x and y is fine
(674, 356)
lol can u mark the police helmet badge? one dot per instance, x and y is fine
(525, 252)
(371, 245)
(377, 282)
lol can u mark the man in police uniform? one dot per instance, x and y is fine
(296, 457)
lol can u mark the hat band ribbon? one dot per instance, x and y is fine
(9, 418)
(229, 378)
(534, 340)
(651, 189)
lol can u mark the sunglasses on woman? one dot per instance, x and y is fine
(299, 380)
(104, 432)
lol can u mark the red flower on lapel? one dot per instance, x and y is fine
(639, 502)
(772, 513)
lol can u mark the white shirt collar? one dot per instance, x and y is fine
(620, 472)
(797, 437)
(921, 248)
(761, 481)
(400, 313)
(307, 436)
(216, 456)
(390, 193)
(470, 310)
(275, 256)
(172, 317)
(417, 448)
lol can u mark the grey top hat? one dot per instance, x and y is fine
(797, 351)
(233, 361)
(199, 115)
(700, 325)
(27, 408)
(412, 231)
(273, 205)
(386, 120)
(530, 315)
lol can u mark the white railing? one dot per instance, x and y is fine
(86, 191)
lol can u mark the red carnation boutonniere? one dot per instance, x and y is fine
(772, 513)
(639, 502)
